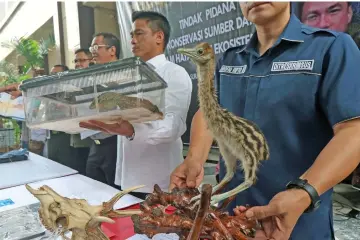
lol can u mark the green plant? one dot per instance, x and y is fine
(33, 51)
(29, 49)
(46, 45)
(9, 72)
(7, 122)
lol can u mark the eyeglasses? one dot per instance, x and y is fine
(95, 48)
(81, 60)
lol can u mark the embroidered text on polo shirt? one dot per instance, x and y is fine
(233, 69)
(293, 66)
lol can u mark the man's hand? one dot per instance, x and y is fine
(279, 217)
(121, 127)
(15, 94)
(12, 89)
(187, 174)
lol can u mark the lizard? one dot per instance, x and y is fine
(111, 100)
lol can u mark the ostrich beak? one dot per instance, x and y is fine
(190, 52)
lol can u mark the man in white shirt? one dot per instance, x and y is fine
(151, 151)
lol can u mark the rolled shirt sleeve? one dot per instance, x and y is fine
(340, 90)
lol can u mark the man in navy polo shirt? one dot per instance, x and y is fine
(301, 86)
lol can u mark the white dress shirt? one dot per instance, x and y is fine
(157, 147)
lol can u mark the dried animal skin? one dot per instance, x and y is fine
(61, 214)
(190, 221)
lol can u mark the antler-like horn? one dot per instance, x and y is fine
(35, 191)
(125, 213)
(110, 204)
(99, 219)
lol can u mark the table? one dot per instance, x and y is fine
(37, 168)
(73, 186)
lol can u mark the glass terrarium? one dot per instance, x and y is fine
(129, 89)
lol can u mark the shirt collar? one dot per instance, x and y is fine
(291, 33)
(157, 61)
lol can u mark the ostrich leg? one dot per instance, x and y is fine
(230, 163)
(242, 187)
(250, 178)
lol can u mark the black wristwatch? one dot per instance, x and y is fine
(303, 184)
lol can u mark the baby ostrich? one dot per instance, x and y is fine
(237, 137)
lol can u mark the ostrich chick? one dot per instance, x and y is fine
(238, 138)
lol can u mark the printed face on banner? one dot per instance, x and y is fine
(327, 15)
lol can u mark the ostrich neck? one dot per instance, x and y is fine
(206, 92)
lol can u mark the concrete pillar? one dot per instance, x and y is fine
(70, 20)
(54, 56)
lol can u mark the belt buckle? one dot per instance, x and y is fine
(97, 141)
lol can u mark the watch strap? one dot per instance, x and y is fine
(314, 196)
(131, 137)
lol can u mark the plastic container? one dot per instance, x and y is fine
(7, 138)
(128, 88)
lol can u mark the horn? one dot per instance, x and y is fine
(34, 191)
(110, 204)
(124, 213)
(99, 219)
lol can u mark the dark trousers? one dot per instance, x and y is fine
(81, 156)
(101, 163)
(356, 178)
(59, 150)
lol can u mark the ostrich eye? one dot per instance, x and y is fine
(200, 51)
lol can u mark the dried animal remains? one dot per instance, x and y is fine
(61, 214)
(190, 221)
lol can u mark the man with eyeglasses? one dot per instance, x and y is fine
(105, 48)
(101, 162)
(83, 58)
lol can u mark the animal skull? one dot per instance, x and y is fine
(61, 214)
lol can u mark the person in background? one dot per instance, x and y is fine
(81, 147)
(355, 178)
(58, 68)
(309, 113)
(31, 139)
(101, 162)
(333, 16)
(36, 137)
(327, 15)
(57, 145)
(150, 151)
(83, 58)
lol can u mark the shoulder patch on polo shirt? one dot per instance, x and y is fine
(233, 69)
(300, 65)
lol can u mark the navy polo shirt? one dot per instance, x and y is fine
(296, 92)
